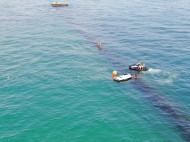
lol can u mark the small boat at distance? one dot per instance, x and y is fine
(124, 77)
(136, 68)
(55, 4)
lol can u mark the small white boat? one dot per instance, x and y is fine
(55, 4)
(124, 77)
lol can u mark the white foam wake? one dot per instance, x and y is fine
(151, 70)
(162, 76)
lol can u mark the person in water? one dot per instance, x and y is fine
(135, 76)
(99, 45)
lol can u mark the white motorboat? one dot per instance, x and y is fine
(124, 77)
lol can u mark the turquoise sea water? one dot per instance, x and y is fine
(56, 86)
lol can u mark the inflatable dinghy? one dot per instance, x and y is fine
(124, 77)
(135, 67)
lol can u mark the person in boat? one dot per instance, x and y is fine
(135, 76)
(138, 64)
(143, 66)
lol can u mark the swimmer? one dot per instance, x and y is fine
(99, 45)
(135, 76)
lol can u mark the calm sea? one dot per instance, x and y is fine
(56, 86)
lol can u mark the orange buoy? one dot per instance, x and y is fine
(114, 73)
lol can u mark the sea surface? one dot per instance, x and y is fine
(57, 86)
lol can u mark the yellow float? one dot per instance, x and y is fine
(114, 73)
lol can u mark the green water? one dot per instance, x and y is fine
(56, 86)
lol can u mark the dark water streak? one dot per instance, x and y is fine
(181, 124)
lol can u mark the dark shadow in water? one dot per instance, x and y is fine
(181, 124)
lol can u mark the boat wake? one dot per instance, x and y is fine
(162, 76)
(154, 71)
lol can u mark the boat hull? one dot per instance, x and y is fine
(122, 78)
(135, 67)
(54, 4)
